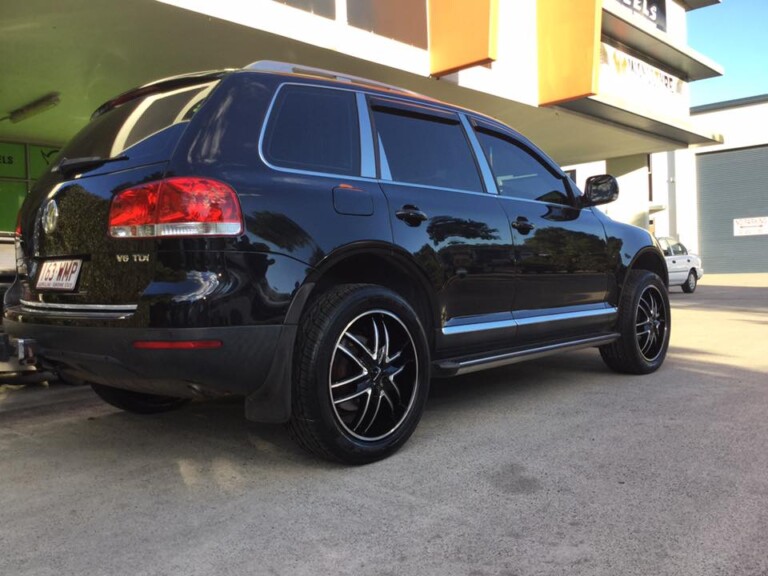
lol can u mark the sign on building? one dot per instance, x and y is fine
(640, 83)
(653, 10)
(750, 226)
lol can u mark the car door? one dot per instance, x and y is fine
(444, 218)
(676, 266)
(561, 265)
(682, 262)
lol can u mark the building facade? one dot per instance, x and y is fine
(590, 81)
(714, 199)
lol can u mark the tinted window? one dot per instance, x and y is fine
(421, 149)
(118, 129)
(314, 129)
(520, 174)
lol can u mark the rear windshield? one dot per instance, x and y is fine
(117, 130)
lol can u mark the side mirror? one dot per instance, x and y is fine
(600, 190)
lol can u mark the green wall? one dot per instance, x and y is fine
(20, 165)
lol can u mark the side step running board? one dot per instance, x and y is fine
(456, 366)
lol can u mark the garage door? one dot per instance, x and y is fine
(733, 185)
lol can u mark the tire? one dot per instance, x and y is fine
(361, 374)
(690, 283)
(137, 402)
(644, 324)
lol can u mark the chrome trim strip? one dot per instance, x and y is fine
(566, 316)
(93, 308)
(499, 324)
(398, 183)
(475, 365)
(367, 155)
(485, 170)
(78, 315)
(478, 327)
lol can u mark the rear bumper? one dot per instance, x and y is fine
(243, 365)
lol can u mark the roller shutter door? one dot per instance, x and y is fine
(732, 184)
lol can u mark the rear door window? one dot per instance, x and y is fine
(423, 146)
(314, 129)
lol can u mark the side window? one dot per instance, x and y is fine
(519, 174)
(419, 148)
(665, 246)
(314, 129)
(679, 250)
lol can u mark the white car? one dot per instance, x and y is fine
(685, 269)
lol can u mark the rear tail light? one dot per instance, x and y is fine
(176, 207)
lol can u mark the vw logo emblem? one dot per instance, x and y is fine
(50, 216)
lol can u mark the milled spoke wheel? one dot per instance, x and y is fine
(361, 374)
(651, 324)
(644, 325)
(373, 375)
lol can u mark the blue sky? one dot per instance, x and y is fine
(735, 35)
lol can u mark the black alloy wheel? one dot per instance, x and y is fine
(373, 375)
(651, 323)
(361, 374)
(644, 325)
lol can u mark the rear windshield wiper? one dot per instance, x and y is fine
(69, 166)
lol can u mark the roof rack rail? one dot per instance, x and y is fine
(288, 68)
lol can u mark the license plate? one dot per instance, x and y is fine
(59, 274)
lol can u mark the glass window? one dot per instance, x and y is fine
(518, 173)
(679, 250)
(422, 149)
(314, 129)
(326, 8)
(402, 20)
(664, 243)
(116, 130)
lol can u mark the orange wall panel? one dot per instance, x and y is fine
(462, 33)
(569, 49)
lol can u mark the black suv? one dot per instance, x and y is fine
(321, 245)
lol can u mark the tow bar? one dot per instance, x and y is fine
(21, 349)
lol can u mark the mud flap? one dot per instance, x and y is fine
(271, 402)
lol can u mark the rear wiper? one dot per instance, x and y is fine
(71, 165)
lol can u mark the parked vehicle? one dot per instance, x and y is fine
(321, 245)
(684, 268)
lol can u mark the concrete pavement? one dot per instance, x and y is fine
(556, 466)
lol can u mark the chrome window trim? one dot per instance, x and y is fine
(268, 117)
(386, 175)
(486, 173)
(515, 322)
(360, 178)
(367, 154)
(397, 183)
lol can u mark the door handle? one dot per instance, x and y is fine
(522, 225)
(411, 215)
